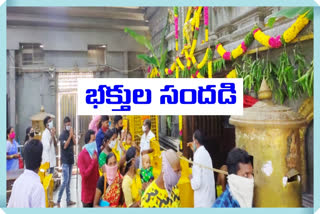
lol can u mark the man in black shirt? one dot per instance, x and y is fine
(67, 141)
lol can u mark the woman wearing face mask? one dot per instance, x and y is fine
(103, 127)
(89, 169)
(29, 134)
(109, 143)
(12, 150)
(108, 191)
(131, 184)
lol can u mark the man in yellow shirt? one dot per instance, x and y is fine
(163, 192)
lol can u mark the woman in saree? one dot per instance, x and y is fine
(131, 185)
(108, 191)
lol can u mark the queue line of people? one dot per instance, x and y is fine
(115, 145)
(118, 173)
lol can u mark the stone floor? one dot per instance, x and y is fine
(75, 193)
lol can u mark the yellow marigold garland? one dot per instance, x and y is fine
(295, 28)
(238, 51)
(180, 63)
(220, 49)
(177, 71)
(210, 63)
(188, 14)
(232, 74)
(194, 60)
(188, 59)
(262, 38)
(204, 60)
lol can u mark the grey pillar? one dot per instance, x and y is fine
(126, 63)
(12, 88)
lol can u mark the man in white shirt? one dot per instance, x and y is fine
(202, 180)
(49, 143)
(145, 147)
(27, 191)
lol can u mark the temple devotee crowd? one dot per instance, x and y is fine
(116, 172)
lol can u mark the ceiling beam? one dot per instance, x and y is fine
(88, 12)
(80, 22)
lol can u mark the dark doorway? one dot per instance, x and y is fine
(219, 136)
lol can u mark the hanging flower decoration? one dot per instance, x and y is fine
(222, 52)
(188, 58)
(286, 37)
(187, 29)
(241, 49)
(232, 74)
(154, 73)
(177, 71)
(194, 60)
(171, 69)
(295, 28)
(204, 60)
(210, 63)
(196, 29)
(261, 37)
(267, 41)
(188, 14)
(191, 33)
(179, 63)
(197, 75)
(206, 21)
(176, 26)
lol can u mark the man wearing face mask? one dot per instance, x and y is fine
(149, 145)
(202, 180)
(239, 190)
(49, 143)
(163, 192)
(67, 141)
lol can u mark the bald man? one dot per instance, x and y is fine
(163, 192)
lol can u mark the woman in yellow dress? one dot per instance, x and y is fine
(131, 184)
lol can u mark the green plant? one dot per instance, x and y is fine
(306, 80)
(291, 13)
(153, 60)
(243, 69)
(169, 122)
(218, 65)
(286, 78)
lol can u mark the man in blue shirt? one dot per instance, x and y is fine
(239, 190)
(103, 127)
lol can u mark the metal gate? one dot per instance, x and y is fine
(67, 106)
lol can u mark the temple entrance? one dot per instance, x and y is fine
(219, 136)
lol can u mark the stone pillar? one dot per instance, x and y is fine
(11, 87)
(125, 62)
